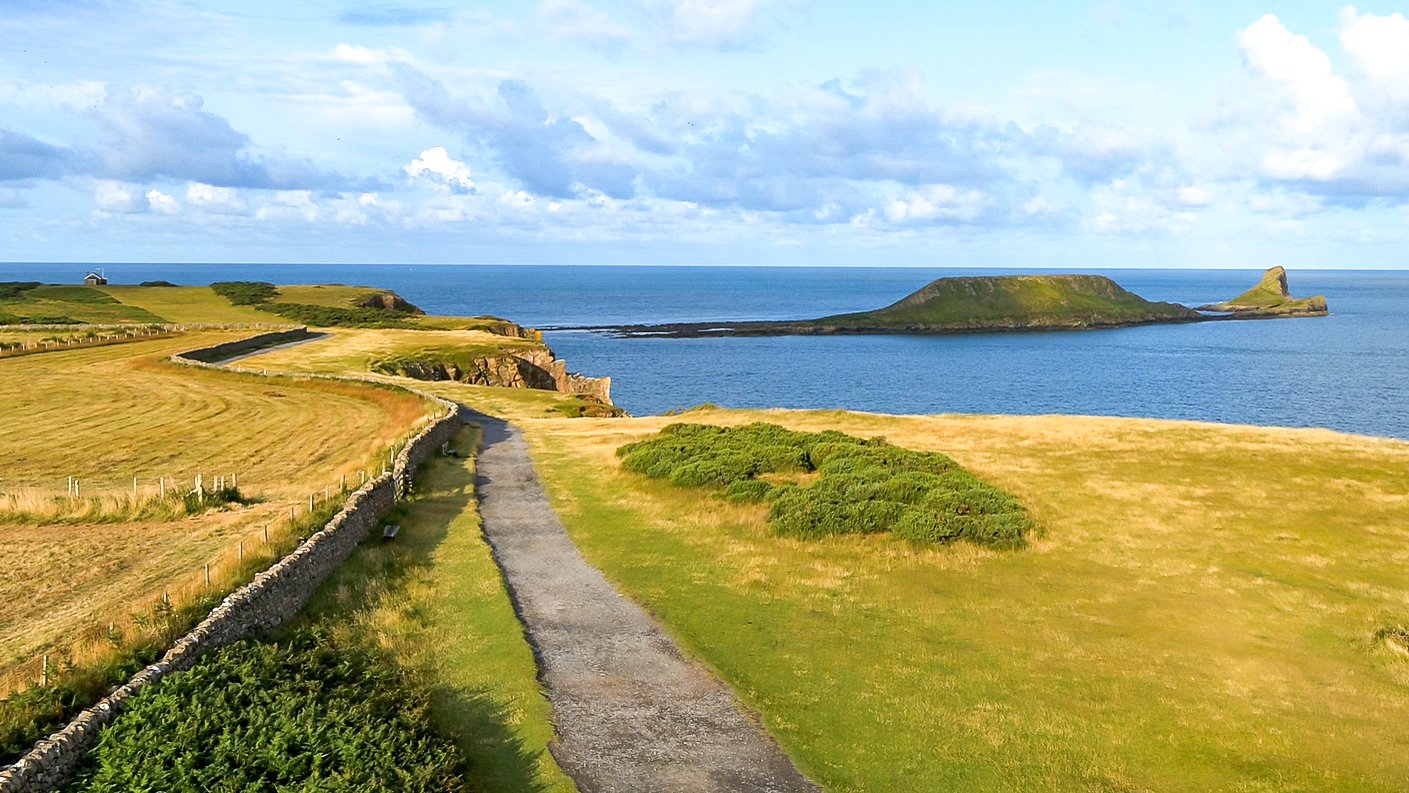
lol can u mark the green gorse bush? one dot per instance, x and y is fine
(864, 487)
(306, 713)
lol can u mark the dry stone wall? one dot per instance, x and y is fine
(230, 349)
(273, 597)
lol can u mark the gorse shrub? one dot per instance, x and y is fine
(246, 293)
(865, 487)
(306, 713)
(13, 289)
(334, 317)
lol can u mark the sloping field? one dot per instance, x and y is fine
(193, 304)
(72, 303)
(1199, 612)
(352, 351)
(104, 415)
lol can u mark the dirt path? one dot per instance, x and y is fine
(632, 713)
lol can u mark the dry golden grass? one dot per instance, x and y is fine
(1199, 611)
(104, 415)
(107, 414)
(66, 583)
(351, 351)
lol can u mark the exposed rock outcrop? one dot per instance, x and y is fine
(389, 301)
(534, 367)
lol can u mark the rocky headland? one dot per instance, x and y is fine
(1271, 298)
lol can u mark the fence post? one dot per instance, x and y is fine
(44, 672)
(207, 575)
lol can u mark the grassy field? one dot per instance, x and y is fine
(104, 415)
(434, 598)
(72, 303)
(353, 350)
(1199, 610)
(191, 304)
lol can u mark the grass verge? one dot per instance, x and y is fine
(434, 600)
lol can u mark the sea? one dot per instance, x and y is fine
(1348, 371)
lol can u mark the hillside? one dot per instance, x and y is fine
(1009, 302)
(1272, 298)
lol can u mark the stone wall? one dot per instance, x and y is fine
(273, 597)
(230, 349)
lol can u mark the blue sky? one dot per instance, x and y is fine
(1103, 133)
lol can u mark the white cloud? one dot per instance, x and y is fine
(1304, 71)
(1125, 207)
(1379, 45)
(1194, 196)
(518, 199)
(725, 23)
(119, 198)
(1283, 202)
(576, 19)
(1042, 206)
(220, 200)
(436, 166)
(161, 203)
(937, 202)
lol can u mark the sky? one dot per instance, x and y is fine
(800, 132)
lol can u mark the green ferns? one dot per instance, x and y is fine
(865, 486)
(307, 713)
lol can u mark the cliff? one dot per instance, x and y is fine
(1271, 298)
(509, 367)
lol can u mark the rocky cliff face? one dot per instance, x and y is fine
(527, 368)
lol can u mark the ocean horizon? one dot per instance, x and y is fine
(1348, 371)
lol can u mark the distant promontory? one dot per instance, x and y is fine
(1271, 298)
(1010, 303)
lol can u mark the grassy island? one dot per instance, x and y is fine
(1008, 302)
(1271, 298)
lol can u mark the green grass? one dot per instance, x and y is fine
(1011, 301)
(863, 486)
(435, 599)
(188, 304)
(1200, 612)
(1270, 296)
(70, 304)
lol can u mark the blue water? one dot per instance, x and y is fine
(1348, 371)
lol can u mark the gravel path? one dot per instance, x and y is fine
(632, 712)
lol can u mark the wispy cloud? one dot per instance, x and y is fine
(392, 15)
